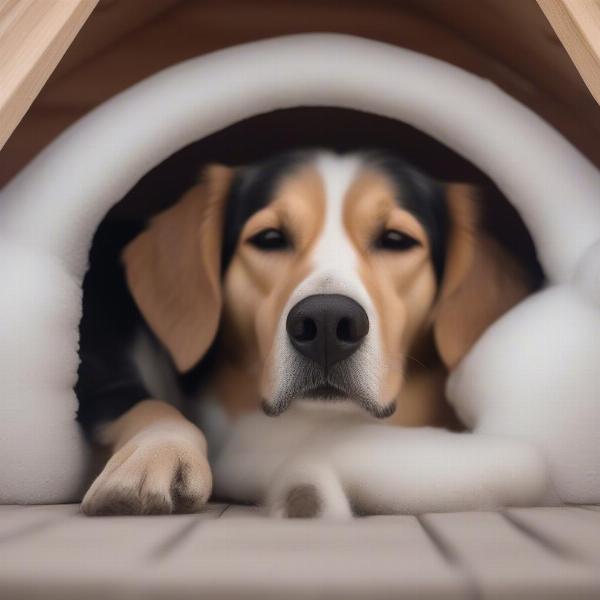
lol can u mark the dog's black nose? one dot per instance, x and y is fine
(327, 328)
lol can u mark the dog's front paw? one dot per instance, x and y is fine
(151, 476)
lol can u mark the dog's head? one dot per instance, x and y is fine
(322, 274)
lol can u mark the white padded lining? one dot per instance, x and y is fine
(49, 212)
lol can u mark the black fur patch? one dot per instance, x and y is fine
(108, 381)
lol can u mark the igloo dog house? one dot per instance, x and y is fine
(533, 375)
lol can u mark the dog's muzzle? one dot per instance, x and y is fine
(327, 334)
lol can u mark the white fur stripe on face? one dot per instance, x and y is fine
(334, 253)
(334, 271)
(334, 258)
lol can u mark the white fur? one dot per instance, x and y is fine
(334, 255)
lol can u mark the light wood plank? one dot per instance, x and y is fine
(34, 35)
(577, 25)
(254, 557)
(508, 564)
(574, 531)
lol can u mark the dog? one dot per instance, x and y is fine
(349, 282)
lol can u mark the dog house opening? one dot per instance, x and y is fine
(249, 141)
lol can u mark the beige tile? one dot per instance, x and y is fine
(379, 557)
(573, 531)
(101, 556)
(54, 552)
(21, 521)
(506, 563)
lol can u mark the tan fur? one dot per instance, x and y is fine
(421, 401)
(401, 285)
(482, 280)
(173, 269)
(258, 285)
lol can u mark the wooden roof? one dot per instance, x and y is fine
(508, 41)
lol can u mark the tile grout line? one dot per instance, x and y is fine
(167, 546)
(543, 540)
(473, 590)
(587, 508)
(162, 550)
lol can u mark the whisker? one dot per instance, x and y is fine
(416, 360)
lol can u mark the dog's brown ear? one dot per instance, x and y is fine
(481, 280)
(173, 269)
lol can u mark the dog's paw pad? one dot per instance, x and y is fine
(303, 502)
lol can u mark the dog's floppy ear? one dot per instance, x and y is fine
(173, 269)
(481, 279)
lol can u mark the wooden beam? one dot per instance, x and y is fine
(577, 25)
(34, 35)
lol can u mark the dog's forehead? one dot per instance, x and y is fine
(337, 175)
(256, 186)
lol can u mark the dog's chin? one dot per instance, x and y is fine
(326, 396)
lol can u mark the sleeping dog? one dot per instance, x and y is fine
(311, 283)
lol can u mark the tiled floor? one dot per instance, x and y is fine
(235, 552)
